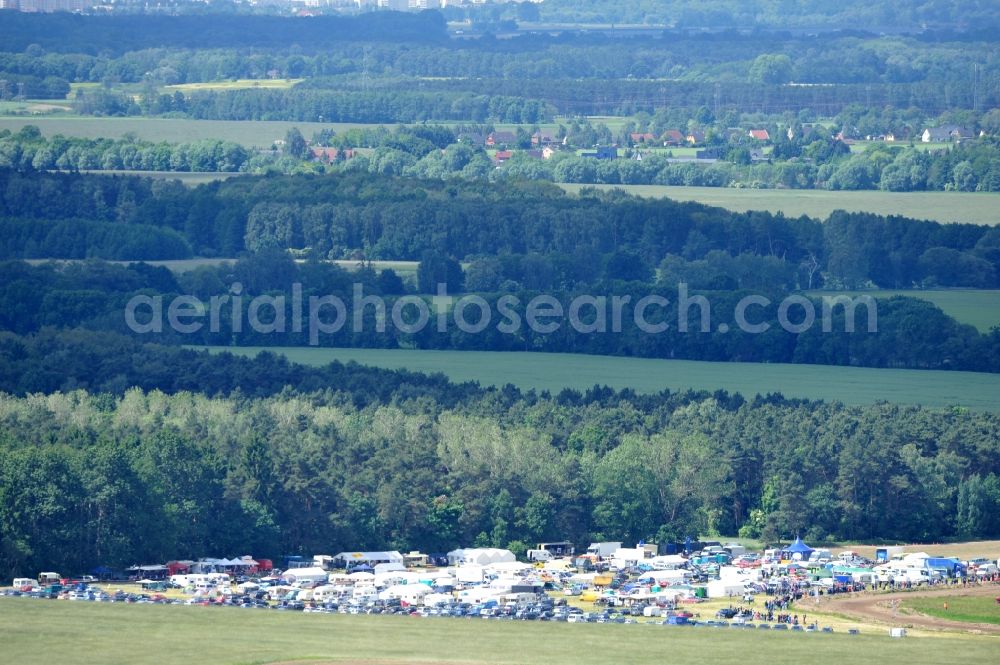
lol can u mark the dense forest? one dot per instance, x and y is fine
(271, 458)
(362, 215)
(889, 15)
(910, 333)
(411, 57)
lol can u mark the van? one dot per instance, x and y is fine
(46, 579)
(821, 556)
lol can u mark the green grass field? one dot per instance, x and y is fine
(404, 268)
(973, 609)
(976, 208)
(253, 133)
(238, 84)
(862, 146)
(39, 632)
(977, 307)
(555, 371)
(189, 178)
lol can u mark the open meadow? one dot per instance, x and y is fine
(67, 632)
(948, 207)
(555, 371)
(972, 609)
(235, 84)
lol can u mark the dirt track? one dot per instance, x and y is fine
(879, 608)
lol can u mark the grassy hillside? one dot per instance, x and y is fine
(555, 371)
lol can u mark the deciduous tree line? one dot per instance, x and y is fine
(270, 458)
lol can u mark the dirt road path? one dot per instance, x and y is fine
(889, 609)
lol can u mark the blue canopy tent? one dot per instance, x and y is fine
(800, 548)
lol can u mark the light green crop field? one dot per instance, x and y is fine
(555, 371)
(972, 609)
(252, 133)
(977, 307)
(238, 84)
(41, 632)
(975, 208)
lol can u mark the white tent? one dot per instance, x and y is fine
(724, 589)
(388, 567)
(306, 575)
(408, 592)
(480, 556)
(671, 594)
(362, 577)
(664, 577)
(509, 566)
(390, 578)
(668, 562)
(473, 574)
(433, 599)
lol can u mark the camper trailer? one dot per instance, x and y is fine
(46, 579)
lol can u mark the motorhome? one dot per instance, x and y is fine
(22, 583)
(46, 579)
(625, 556)
(885, 554)
(821, 556)
(603, 550)
(540, 555)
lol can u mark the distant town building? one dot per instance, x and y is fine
(45, 6)
(946, 133)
